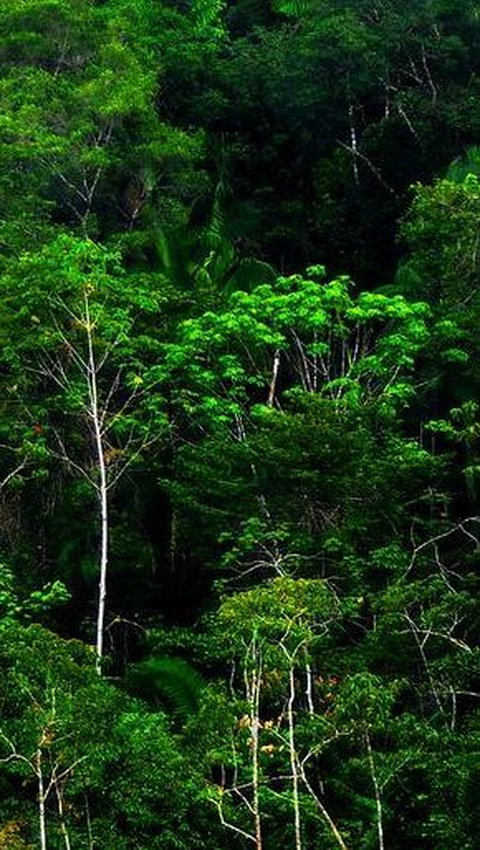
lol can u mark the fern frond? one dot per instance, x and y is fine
(293, 8)
(172, 680)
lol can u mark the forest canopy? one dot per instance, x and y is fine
(240, 424)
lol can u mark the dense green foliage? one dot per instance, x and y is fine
(240, 424)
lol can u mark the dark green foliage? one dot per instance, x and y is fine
(259, 221)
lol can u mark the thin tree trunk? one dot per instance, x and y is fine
(353, 138)
(423, 655)
(102, 489)
(323, 810)
(61, 813)
(309, 688)
(294, 761)
(255, 727)
(41, 801)
(273, 382)
(89, 824)
(376, 788)
(102, 585)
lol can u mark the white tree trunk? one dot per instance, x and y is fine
(377, 791)
(41, 801)
(335, 831)
(102, 488)
(255, 729)
(294, 760)
(102, 583)
(309, 688)
(273, 383)
(61, 815)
